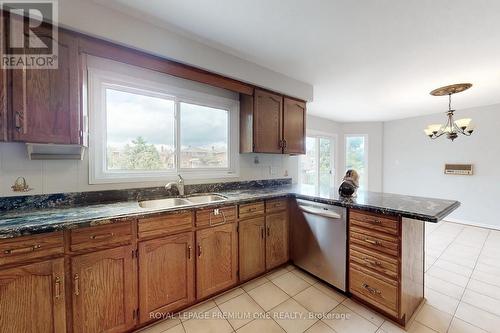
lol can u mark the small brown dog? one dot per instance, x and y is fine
(350, 183)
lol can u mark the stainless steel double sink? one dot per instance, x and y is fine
(189, 200)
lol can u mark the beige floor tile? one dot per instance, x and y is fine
(484, 288)
(329, 291)
(305, 276)
(482, 301)
(315, 300)
(290, 267)
(252, 284)
(276, 273)
(443, 274)
(162, 326)
(486, 277)
(434, 318)
(464, 261)
(268, 295)
(197, 310)
(211, 321)
(320, 327)
(444, 287)
(290, 283)
(460, 326)
(292, 316)
(228, 295)
(344, 320)
(489, 260)
(261, 326)
(488, 268)
(477, 317)
(364, 312)
(413, 327)
(452, 267)
(241, 310)
(175, 329)
(441, 302)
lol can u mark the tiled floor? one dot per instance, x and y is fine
(462, 292)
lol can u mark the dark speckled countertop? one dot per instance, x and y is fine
(17, 222)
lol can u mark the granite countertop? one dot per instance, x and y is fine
(18, 222)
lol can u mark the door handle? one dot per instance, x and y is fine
(76, 282)
(57, 287)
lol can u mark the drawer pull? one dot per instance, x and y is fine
(23, 250)
(268, 232)
(252, 209)
(76, 282)
(376, 221)
(189, 249)
(102, 236)
(372, 262)
(57, 287)
(199, 250)
(371, 290)
(372, 241)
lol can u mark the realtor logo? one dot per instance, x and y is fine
(31, 34)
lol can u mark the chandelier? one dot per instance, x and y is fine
(452, 128)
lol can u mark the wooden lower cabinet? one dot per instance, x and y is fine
(104, 289)
(217, 259)
(32, 298)
(276, 239)
(252, 246)
(166, 275)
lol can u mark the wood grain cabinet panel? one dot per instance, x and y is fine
(32, 298)
(104, 288)
(276, 239)
(252, 246)
(251, 209)
(217, 259)
(108, 235)
(29, 248)
(45, 102)
(294, 126)
(267, 122)
(166, 275)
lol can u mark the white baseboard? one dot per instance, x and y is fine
(472, 223)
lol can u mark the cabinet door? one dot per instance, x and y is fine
(45, 101)
(166, 274)
(268, 114)
(32, 298)
(217, 259)
(104, 290)
(252, 246)
(276, 239)
(294, 126)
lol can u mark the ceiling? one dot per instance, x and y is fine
(371, 60)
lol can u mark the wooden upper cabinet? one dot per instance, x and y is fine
(294, 126)
(276, 239)
(166, 274)
(45, 102)
(252, 245)
(217, 259)
(104, 289)
(32, 298)
(267, 122)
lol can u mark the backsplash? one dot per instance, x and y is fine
(46, 177)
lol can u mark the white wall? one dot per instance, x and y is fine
(93, 19)
(374, 131)
(414, 164)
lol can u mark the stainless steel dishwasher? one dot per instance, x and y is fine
(319, 241)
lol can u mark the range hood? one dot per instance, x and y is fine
(42, 151)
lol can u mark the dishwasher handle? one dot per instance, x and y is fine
(319, 211)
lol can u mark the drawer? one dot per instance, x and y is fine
(215, 216)
(26, 248)
(101, 236)
(165, 224)
(276, 205)
(376, 223)
(251, 209)
(379, 262)
(375, 241)
(374, 289)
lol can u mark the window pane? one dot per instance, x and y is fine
(356, 158)
(325, 165)
(204, 136)
(309, 174)
(140, 132)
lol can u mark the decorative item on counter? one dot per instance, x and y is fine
(350, 184)
(20, 185)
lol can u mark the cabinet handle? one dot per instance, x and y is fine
(57, 287)
(253, 209)
(371, 290)
(372, 262)
(374, 242)
(22, 250)
(199, 250)
(262, 232)
(18, 121)
(268, 231)
(189, 252)
(376, 221)
(76, 282)
(284, 144)
(102, 236)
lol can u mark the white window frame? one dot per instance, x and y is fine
(367, 167)
(104, 74)
(333, 149)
